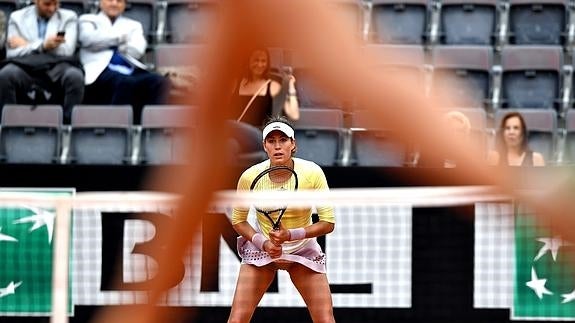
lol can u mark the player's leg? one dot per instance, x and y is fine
(314, 288)
(252, 284)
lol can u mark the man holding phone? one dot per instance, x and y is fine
(41, 42)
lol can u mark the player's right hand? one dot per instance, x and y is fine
(275, 251)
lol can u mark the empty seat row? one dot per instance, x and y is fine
(470, 22)
(96, 135)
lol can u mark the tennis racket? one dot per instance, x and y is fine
(277, 178)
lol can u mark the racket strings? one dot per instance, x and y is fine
(275, 180)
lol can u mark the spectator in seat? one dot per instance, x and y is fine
(41, 66)
(512, 144)
(253, 103)
(110, 46)
(459, 125)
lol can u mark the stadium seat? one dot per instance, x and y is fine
(537, 22)
(164, 132)
(311, 92)
(372, 145)
(101, 134)
(8, 6)
(531, 77)
(78, 6)
(407, 61)
(353, 13)
(186, 21)
(542, 127)
(467, 22)
(462, 75)
(144, 11)
(31, 134)
(399, 21)
(320, 136)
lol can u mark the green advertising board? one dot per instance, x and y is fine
(26, 249)
(544, 272)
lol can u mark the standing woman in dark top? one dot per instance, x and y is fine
(253, 103)
(512, 147)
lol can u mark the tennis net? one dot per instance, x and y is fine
(441, 252)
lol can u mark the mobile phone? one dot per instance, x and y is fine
(61, 33)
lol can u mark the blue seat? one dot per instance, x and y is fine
(31, 134)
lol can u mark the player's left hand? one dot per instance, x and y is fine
(279, 236)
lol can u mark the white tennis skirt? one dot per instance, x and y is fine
(309, 255)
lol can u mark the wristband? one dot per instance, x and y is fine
(258, 240)
(296, 234)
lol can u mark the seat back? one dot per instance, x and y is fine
(311, 91)
(31, 134)
(143, 11)
(101, 134)
(401, 61)
(462, 75)
(187, 21)
(319, 134)
(165, 135)
(372, 145)
(531, 76)
(78, 6)
(399, 22)
(537, 22)
(468, 22)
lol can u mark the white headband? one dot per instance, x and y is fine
(280, 126)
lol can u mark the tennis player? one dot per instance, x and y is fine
(293, 247)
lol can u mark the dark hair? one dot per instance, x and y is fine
(278, 118)
(501, 147)
(282, 119)
(247, 72)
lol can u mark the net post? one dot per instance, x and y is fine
(61, 261)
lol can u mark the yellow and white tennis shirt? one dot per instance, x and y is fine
(310, 177)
